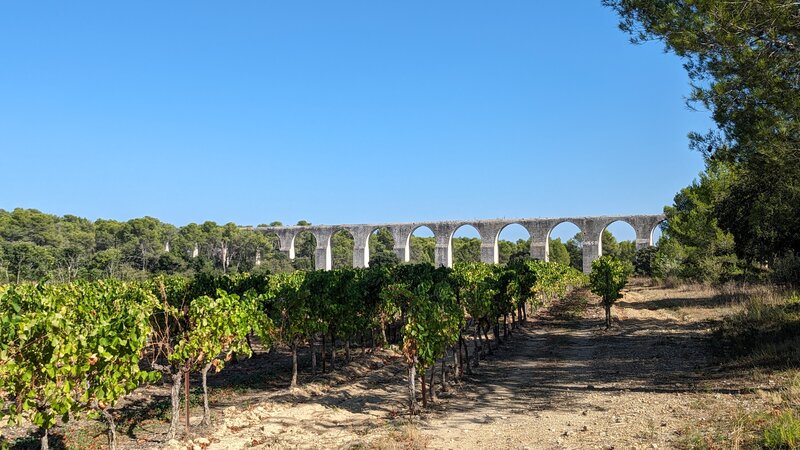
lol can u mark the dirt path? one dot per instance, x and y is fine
(571, 384)
(557, 384)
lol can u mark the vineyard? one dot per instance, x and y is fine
(75, 350)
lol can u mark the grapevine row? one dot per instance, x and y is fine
(68, 350)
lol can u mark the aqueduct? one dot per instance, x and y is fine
(488, 230)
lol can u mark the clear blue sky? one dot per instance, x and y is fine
(337, 112)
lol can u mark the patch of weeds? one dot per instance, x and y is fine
(766, 333)
(791, 390)
(715, 427)
(776, 425)
(699, 404)
(403, 436)
(89, 437)
(693, 440)
(650, 432)
(710, 439)
(783, 432)
(195, 398)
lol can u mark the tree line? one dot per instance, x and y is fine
(36, 245)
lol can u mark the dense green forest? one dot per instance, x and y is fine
(35, 245)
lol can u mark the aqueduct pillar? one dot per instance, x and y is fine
(443, 252)
(539, 232)
(360, 245)
(489, 233)
(401, 234)
(592, 249)
(322, 254)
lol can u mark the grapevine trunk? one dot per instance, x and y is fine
(112, 429)
(175, 397)
(294, 365)
(412, 389)
(206, 410)
(45, 440)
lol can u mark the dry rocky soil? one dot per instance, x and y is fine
(560, 382)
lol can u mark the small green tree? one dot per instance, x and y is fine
(694, 246)
(574, 247)
(644, 260)
(607, 279)
(559, 252)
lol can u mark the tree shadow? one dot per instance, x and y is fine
(33, 442)
(716, 301)
(132, 420)
(554, 368)
(375, 373)
(550, 362)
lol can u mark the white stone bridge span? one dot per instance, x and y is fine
(489, 231)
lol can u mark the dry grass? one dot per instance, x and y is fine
(404, 436)
(764, 333)
(758, 339)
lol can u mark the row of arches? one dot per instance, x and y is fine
(444, 243)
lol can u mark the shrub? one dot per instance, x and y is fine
(644, 260)
(786, 269)
(607, 279)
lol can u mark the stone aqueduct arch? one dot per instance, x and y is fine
(489, 231)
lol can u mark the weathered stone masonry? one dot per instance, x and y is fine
(489, 231)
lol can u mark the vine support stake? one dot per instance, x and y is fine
(186, 397)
